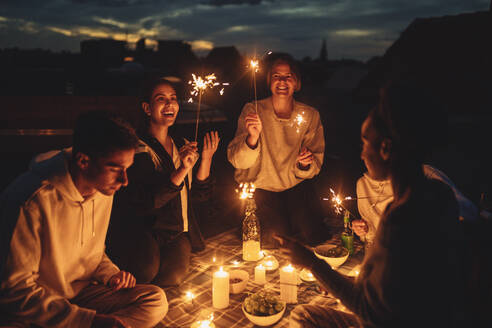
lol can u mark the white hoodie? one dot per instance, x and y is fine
(57, 245)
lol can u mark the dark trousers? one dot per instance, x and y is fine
(152, 257)
(294, 212)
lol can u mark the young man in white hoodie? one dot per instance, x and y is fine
(53, 223)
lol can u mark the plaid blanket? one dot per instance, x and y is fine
(226, 248)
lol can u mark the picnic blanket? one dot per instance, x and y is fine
(226, 248)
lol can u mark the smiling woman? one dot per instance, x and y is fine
(153, 226)
(280, 149)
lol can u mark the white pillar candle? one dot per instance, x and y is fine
(220, 289)
(260, 277)
(288, 284)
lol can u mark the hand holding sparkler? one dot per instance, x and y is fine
(253, 126)
(360, 227)
(188, 154)
(305, 158)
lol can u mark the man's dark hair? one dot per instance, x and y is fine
(281, 57)
(100, 133)
(408, 115)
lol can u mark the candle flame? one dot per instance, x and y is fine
(288, 268)
(246, 190)
(261, 266)
(206, 323)
(269, 263)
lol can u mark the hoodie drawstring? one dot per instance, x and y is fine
(83, 223)
(93, 231)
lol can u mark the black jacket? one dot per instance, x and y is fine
(152, 200)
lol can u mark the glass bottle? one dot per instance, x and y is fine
(251, 232)
(347, 234)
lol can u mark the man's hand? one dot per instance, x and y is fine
(107, 321)
(299, 254)
(210, 144)
(360, 227)
(254, 127)
(122, 279)
(305, 158)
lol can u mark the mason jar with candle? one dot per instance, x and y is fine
(251, 232)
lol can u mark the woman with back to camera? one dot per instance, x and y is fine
(153, 227)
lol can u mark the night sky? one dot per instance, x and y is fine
(356, 29)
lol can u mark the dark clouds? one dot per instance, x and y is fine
(353, 28)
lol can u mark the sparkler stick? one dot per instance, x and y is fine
(198, 114)
(254, 69)
(199, 85)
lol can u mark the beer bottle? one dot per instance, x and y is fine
(347, 234)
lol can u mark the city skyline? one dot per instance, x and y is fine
(355, 29)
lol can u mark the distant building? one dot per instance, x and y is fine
(104, 52)
(450, 56)
(175, 55)
(225, 61)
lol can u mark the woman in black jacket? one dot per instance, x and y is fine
(153, 227)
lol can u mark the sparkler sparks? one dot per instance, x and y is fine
(199, 85)
(299, 120)
(246, 190)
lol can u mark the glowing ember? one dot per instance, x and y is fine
(246, 190)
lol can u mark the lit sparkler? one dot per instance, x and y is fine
(199, 85)
(246, 190)
(338, 202)
(299, 120)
